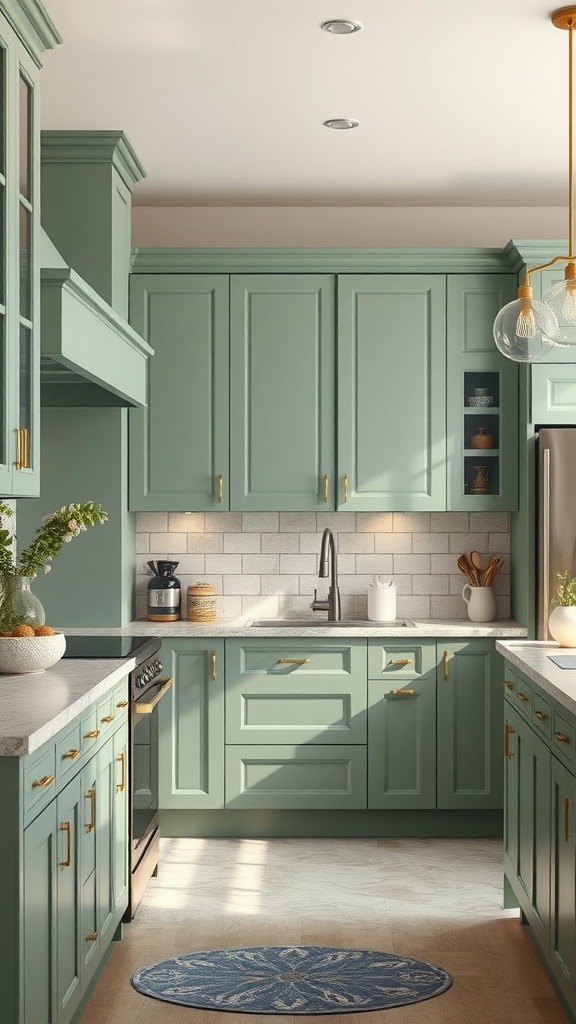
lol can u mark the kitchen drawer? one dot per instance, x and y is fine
(69, 750)
(89, 731)
(510, 680)
(39, 781)
(120, 702)
(305, 658)
(563, 737)
(295, 777)
(107, 711)
(398, 659)
(541, 715)
(523, 697)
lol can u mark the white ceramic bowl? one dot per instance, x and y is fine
(481, 401)
(30, 653)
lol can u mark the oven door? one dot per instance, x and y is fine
(145, 766)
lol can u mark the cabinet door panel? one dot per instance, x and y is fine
(470, 701)
(191, 725)
(179, 444)
(70, 814)
(563, 862)
(391, 391)
(104, 838)
(282, 391)
(41, 840)
(120, 820)
(287, 777)
(402, 744)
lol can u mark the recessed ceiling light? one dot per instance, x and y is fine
(341, 122)
(340, 27)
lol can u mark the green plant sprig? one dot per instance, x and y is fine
(57, 528)
(566, 589)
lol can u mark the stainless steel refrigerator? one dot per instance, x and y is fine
(556, 516)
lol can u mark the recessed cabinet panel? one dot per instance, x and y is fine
(282, 391)
(391, 392)
(554, 394)
(287, 777)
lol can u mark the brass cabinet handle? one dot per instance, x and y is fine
(70, 754)
(46, 780)
(93, 735)
(120, 786)
(65, 827)
(507, 752)
(18, 461)
(91, 796)
(92, 937)
(107, 718)
(540, 715)
(522, 696)
(508, 684)
(561, 737)
(567, 807)
(140, 708)
(345, 487)
(213, 663)
(400, 661)
(408, 693)
(220, 488)
(293, 661)
(326, 487)
(122, 704)
(445, 657)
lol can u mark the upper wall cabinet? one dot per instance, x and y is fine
(482, 397)
(391, 392)
(25, 31)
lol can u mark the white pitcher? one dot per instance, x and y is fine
(480, 603)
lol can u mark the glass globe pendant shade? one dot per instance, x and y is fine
(561, 298)
(526, 329)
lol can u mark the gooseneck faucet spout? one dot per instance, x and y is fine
(328, 569)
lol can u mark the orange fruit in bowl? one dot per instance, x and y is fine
(22, 630)
(43, 631)
(6, 633)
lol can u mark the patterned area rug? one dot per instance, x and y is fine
(291, 979)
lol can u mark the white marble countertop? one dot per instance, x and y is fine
(35, 706)
(241, 627)
(532, 657)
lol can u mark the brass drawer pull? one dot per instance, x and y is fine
(93, 735)
(220, 488)
(345, 487)
(92, 937)
(540, 715)
(91, 796)
(120, 786)
(445, 657)
(213, 661)
(293, 661)
(65, 827)
(561, 737)
(400, 661)
(46, 780)
(508, 684)
(326, 487)
(522, 696)
(507, 752)
(408, 693)
(122, 704)
(107, 718)
(70, 754)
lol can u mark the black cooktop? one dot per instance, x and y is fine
(110, 646)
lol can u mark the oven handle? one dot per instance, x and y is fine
(147, 709)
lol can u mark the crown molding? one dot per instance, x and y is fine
(32, 24)
(93, 147)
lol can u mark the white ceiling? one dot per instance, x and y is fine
(459, 103)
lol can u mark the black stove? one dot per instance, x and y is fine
(109, 646)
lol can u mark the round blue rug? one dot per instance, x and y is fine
(291, 979)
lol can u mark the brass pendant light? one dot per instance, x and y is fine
(526, 329)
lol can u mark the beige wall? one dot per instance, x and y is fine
(343, 226)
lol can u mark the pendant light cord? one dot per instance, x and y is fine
(570, 144)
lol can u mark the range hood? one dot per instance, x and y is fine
(90, 356)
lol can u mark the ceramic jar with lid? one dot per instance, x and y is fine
(201, 603)
(482, 439)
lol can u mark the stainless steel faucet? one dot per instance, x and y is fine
(328, 568)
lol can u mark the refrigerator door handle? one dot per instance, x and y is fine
(545, 546)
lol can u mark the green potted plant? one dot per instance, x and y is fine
(562, 619)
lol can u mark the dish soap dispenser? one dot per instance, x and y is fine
(163, 592)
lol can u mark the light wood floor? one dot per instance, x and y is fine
(434, 899)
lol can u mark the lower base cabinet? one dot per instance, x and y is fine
(327, 723)
(540, 824)
(68, 869)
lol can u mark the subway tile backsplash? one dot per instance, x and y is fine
(266, 563)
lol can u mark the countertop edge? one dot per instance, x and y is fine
(532, 658)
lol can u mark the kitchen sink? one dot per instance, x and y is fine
(342, 623)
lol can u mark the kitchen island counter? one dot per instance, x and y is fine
(532, 657)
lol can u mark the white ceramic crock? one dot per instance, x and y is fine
(480, 603)
(562, 624)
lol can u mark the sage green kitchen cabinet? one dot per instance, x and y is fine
(541, 282)
(282, 373)
(178, 455)
(563, 880)
(402, 724)
(19, 242)
(391, 392)
(191, 725)
(474, 364)
(554, 393)
(69, 813)
(469, 725)
(40, 853)
(304, 777)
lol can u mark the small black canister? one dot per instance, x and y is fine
(163, 592)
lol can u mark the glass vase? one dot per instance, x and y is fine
(18, 605)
